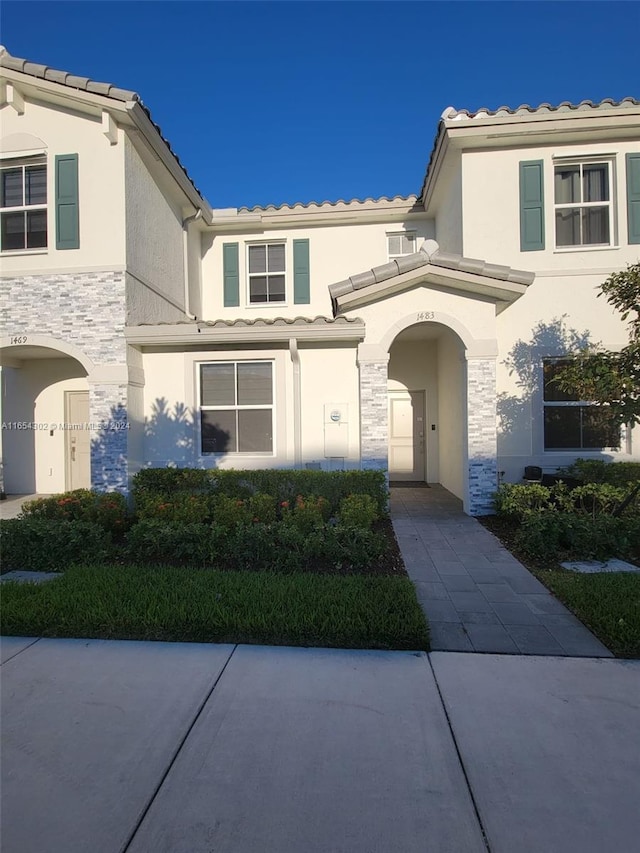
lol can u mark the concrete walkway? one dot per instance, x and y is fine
(475, 594)
(128, 747)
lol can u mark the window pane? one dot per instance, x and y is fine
(255, 384)
(595, 225)
(258, 288)
(11, 188)
(408, 244)
(567, 184)
(13, 231)
(595, 182)
(217, 385)
(35, 189)
(255, 431)
(257, 258)
(276, 258)
(36, 229)
(568, 227)
(395, 244)
(598, 428)
(552, 392)
(276, 288)
(561, 427)
(218, 430)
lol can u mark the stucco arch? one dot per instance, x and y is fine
(471, 344)
(11, 345)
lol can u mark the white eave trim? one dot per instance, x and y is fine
(169, 335)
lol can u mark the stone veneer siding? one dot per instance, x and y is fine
(88, 311)
(482, 434)
(374, 417)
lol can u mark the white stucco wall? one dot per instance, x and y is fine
(451, 406)
(447, 202)
(335, 253)
(490, 197)
(34, 459)
(155, 255)
(100, 186)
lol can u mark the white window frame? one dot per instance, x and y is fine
(607, 160)
(250, 275)
(568, 404)
(235, 408)
(410, 234)
(23, 163)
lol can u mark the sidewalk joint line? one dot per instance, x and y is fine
(459, 754)
(175, 755)
(37, 639)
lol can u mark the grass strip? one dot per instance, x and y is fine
(608, 603)
(204, 605)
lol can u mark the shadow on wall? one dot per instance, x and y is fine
(171, 436)
(109, 453)
(524, 361)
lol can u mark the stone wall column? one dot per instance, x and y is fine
(109, 436)
(482, 439)
(374, 418)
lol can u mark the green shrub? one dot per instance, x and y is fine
(155, 541)
(42, 544)
(559, 536)
(229, 512)
(306, 513)
(358, 511)
(108, 510)
(284, 485)
(599, 499)
(599, 471)
(517, 500)
(262, 509)
(180, 509)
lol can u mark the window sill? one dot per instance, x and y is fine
(19, 253)
(567, 250)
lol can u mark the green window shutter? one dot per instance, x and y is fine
(531, 206)
(231, 274)
(67, 219)
(301, 278)
(633, 197)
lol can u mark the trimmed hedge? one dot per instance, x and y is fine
(284, 485)
(598, 471)
(51, 545)
(106, 509)
(560, 536)
(517, 501)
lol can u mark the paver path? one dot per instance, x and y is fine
(475, 594)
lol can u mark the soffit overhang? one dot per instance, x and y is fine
(241, 331)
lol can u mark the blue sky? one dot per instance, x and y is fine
(277, 102)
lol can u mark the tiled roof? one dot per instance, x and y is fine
(263, 322)
(299, 205)
(452, 114)
(524, 109)
(85, 84)
(429, 254)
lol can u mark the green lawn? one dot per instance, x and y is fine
(607, 603)
(204, 605)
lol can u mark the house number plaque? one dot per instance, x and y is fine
(18, 339)
(425, 315)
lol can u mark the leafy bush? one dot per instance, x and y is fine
(155, 541)
(599, 471)
(108, 510)
(358, 511)
(284, 485)
(517, 500)
(42, 544)
(229, 512)
(599, 499)
(557, 536)
(307, 514)
(180, 509)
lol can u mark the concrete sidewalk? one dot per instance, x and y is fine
(475, 594)
(185, 748)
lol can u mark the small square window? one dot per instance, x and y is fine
(401, 244)
(23, 205)
(266, 265)
(583, 204)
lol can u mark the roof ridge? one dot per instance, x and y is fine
(327, 203)
(451, 113)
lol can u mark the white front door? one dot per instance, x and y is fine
(406, 435)
(77, 440)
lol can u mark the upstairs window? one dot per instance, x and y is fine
(572, 424)
(267, 273)
(401, 244)
(23, 204)
(583, 207)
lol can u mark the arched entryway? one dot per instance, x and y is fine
(46, 443)
(427, 402)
